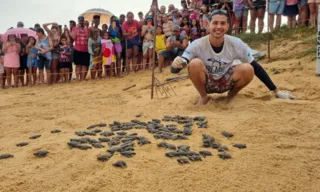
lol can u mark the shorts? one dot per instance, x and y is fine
(44, 63)
(147, 45)
(133, 42)
(171, 55)
(313, 1)
(23, 66)
(55, 55)
(224, 84)
(81, 58)
(258, 6)
(303, 3)
(33, 61)
(276, 7)
(240, 13)
(65, 65)
(118, 47)
(1, 69)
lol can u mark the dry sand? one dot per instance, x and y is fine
(282, 136)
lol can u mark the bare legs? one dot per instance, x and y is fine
(242, 76)
(313, 13)
(292, 22)
(271, 22)
(303, 14)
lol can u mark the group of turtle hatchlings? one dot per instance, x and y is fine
(119, 141)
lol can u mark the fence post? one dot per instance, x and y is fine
(318, 45)
(155, 19)
(268, 31)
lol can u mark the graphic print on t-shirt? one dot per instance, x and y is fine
(216, 65)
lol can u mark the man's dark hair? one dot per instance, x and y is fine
(122, 15)
(129, 13)
(140, 13)
(72, 22)
(40, 30)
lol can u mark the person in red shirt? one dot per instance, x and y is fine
(131, 31)
(81, 56)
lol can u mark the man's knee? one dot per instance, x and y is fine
(243, 71)
(196, 65)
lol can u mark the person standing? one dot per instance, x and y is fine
(131, 30)
(291, 10)
(257, 10)
(148, 33)
(276, 7)
(313, 7)
(11, 50)
(81, 57)
(23, 69)
(115, 32)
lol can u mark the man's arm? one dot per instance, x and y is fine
(169, 45)
(263, 76)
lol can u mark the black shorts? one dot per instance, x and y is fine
(65, 65)
(81, 58)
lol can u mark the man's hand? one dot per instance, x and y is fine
(179, 63)
(284, 95)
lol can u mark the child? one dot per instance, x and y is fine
(115, 34)
(108, 57)
(64, 60)
(194, 30)
(94, 49)
(160, 40)
(32, 60)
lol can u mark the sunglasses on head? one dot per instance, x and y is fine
(219, 12)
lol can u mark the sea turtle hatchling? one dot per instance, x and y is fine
(102, 125)
(35, 137)
(144, 142)
(56, 131)
(223, 148)
(205, 153)
(22, 144)
(162, 144)
(120, 164)
(224, 156)
(79, 133)
(97, 130)
(97, 145)
(84, 147)
(107, 134)
(122, 133)
(199, 118)
(227, 134)
(42, 153)
(172, 154)
(6, 156)
(183, 161)
(105, 140)
(105, 157)
(240, 146)
(195, 158)
(128, 154)
(184, 148)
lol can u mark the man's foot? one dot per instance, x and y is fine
(157, 70)
(203, 101)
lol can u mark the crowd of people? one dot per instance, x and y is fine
(127, 43)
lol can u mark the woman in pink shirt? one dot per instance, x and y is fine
(131, 31)
(11, 49)
(81, 57)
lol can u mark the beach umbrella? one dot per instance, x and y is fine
(18, 32)
(105, 15)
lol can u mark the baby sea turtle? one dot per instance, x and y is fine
(22, 144)
(80, 133)
(205, 153)
(56, 131)
(92, 127)
(90, 133)
(104, 140)
(223, 148)
(105, 157)
(81, 140)
(97, 145)
(97, 130)
(122, 133)
(199, 118)
(240, 146)
(171, 146)
(128, 154)
(84, 147)
(73, 144)
(114, 149)
(6, 156)
(35, 137)
(195, 158)
(224, 156)
(187, 131)
(202, 124)
(41, 153)
(192, 153)
(138, 115)
(144, 142)
(162, 144)
(227, 134)
(182, 160)
(156, 120)
(215, 145)
(102, 125)
(113, 143)
(120, 163)
(172, 154)
(107, 134)
(184, 148)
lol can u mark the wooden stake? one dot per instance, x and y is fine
(269, 59)
(125, 89)
(155, 19)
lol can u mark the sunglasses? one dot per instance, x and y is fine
(219, 12)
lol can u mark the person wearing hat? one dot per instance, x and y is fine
(81, 57)
(20, 24)
(176, 44)
(211, 67)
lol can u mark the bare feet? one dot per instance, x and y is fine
(203, 101)
(157, 70)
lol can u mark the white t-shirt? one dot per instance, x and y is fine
(218, 63)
